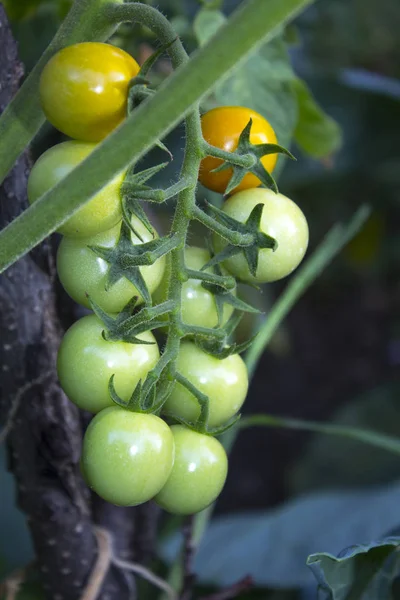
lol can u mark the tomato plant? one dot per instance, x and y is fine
(198, 474)
(82, 271)
(222, 127)
(86, 361)
(283, 220)
(100, 213)
(225, 382)
(84, 87)
(127, 457)
(109, 362)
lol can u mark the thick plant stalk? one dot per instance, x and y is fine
(41, 426)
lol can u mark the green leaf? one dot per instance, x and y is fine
(316, 133)
(333, 243)
(206, 24)
(364, 572)
(251, 23)
(332, 520)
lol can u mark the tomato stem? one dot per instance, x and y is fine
(234, 237)
(241, 160)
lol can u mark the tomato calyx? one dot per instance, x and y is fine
(247, 159)
(220, 347)
(149, 395)
(128, 324)
(201, 424)
(125, 258)
(216, 284)
(259, 240)
(131, 191)
(147, 400)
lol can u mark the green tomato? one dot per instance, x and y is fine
(82, 271)
(127, 457)
(282, 219)
(86, 361)
(198, 304)
(100, 213)
(198, 475)
(225, 382)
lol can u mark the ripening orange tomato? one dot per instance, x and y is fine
(222, 127)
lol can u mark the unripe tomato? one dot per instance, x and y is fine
(82, 271)
(127, 457)
(222, 127)
(198, 475)
(102, 212)
(198, 304)
(86, 361)
(283, 220)
(225, 382)
(84, 89)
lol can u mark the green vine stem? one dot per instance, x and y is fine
(382, 441)
(165, 33)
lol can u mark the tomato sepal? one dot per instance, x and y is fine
(211, 431)
(125, 259)
(220, 348)
(148, 397)
(225, 296)
(126, 326)
(250, 252)
(254, 153)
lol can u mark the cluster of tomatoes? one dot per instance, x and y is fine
(130, 457)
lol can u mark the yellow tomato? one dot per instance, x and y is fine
(84, 89)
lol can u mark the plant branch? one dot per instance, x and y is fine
(245, 160)
(367, 436)
(226, 282)
(234, 237)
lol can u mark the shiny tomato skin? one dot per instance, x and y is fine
(283, 220)
(225, 382)
(84, 89)
(102, 212)
(82, 271)
(222, 127)
(198, 475)
(127, 457)
(86, 361)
